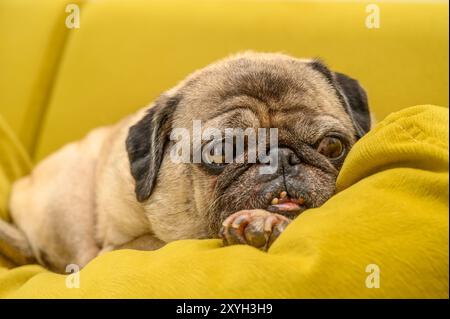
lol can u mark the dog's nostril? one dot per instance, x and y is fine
(293, 159)
(288, 157)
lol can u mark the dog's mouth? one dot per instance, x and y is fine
(286, 205)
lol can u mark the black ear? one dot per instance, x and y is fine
(351, 95)
(146, 143)
(355, 100)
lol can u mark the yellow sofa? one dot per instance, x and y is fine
(58, 83)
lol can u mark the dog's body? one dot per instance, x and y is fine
(62, 217)
(118, 188)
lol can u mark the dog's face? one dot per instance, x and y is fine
(318, 115)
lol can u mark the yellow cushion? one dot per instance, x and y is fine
(128, 52)
(391, 211)
(32, 37)
(14, 163)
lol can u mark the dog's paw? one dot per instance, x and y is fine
(258, 228)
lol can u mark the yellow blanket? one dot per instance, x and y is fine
(384, 234)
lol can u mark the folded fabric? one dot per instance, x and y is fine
(14, 163)
(384, 235)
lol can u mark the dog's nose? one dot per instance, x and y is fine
(287, 157)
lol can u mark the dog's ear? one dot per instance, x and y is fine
(351, 95)
(355, 101)
(146, 144)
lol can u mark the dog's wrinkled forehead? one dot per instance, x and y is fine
(265, 83)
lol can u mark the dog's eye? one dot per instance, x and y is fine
(215, 164)
(213, 158)
(331, 147)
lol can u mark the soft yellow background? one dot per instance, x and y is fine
(56, 83)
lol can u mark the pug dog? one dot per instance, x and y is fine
(118, 187)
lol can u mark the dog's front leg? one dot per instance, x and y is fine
(144, 242)
(257, 227)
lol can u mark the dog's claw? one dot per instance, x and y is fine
(257, 227)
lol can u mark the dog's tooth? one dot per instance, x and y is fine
(274, 201)
(283, 194)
